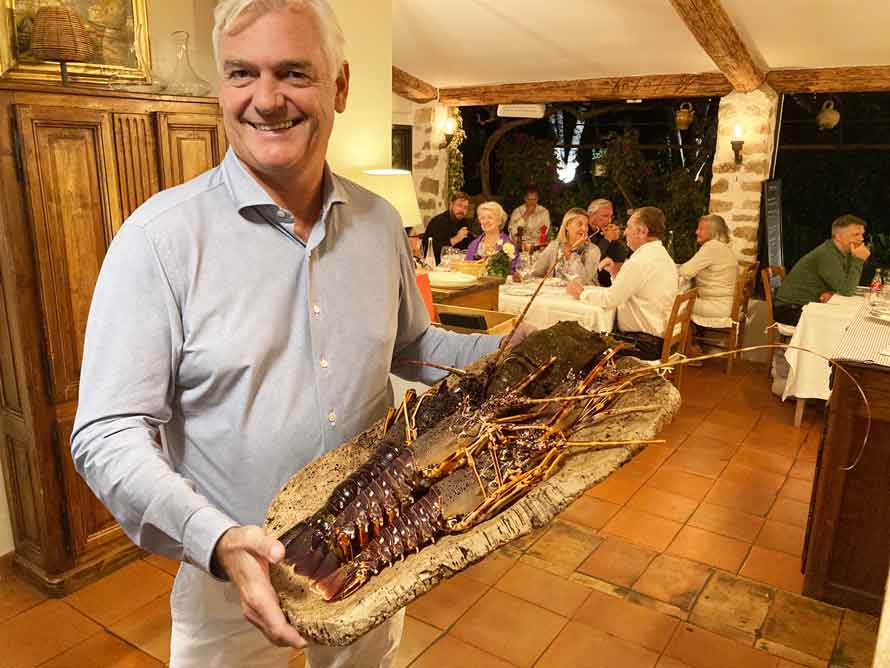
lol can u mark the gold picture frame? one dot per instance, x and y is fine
(118, 30)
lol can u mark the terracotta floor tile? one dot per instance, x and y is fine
(674, 435)
(709, 548)
(740, 420)
(148, 628)
(635, 623)
(801, 625)
(663, 504)
(753, 477)
(790, 511)
(167, 565)
(732, 607)
(703, 649)
(590, 512)
(803, 470)
(746, 498)
(653, 456)
(721, 432)
(692, 486)
(579, 646)
(509, 627)
(523, 543)
(298, 660)
(763, 460)
(782, 537)
(562, 548)
(41, 633)
(642, 528)
(727, 522)
(798, 490)
(695, 460)
(446, 602)
(768, 435)
(719, 449)
(617, 488)
(100, 651)
(492, 568)
(856, 643)
(449, 652)
(809, 451)
(549, 591)
(103, 601)
(417, 636)
(673, 580)
(668, 662)
(618, 562)
(16, 596)
(773, 568)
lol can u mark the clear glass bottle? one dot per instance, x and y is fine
(184, 80)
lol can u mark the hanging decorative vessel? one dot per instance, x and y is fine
(684, 116)
(184, 80)
(829, 116)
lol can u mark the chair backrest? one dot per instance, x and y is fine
(744, 288)
(676, 333)
(773, 274)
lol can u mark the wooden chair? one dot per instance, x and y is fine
(676, 333)
(731, 338)
(772, 278)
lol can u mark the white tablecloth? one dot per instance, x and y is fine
(820, 329)
(553, 305)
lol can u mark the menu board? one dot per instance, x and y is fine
(772, 210)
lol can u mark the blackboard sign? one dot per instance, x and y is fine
(772, 218)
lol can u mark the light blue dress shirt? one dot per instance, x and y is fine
(254, 352)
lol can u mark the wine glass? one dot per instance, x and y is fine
(447, 258)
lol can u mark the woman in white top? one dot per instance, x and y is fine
(714, 269)
(576, 258)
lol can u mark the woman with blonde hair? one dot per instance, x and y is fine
(572, 253)
(491, 217)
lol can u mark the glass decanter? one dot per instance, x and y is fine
(184, 80)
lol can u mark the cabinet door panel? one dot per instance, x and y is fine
(190, 144)
(137, 159)
(74, 209)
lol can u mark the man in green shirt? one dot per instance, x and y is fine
(832, 267)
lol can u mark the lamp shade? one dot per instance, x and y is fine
(59, 34)
(395, 186)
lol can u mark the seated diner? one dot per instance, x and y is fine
(491, 217)
(572, 253)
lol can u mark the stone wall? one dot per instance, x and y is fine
(430, 161)
(736, 188)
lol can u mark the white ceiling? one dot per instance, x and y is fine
(477, 42)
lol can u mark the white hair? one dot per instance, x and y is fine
(333, 42)
(495, 208)
(717, 226)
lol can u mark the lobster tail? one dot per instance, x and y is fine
(342, 582)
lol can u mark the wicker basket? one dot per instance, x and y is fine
(59, 34)
(475, 268)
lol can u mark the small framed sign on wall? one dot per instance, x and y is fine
(401, 147)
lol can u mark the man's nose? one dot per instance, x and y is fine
(267, 98)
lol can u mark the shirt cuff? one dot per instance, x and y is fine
(202, 531)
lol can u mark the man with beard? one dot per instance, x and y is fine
(449, 228)
(251, 317)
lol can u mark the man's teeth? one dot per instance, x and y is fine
(274, 126)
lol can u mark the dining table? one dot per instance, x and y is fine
(553, 305)
(820, 330)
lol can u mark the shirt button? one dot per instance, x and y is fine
(332, 417)
(316, 309)
(282, 213)
(324, 364)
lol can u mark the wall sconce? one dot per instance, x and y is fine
(737, 143)
(448, 129)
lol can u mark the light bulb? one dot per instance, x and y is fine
(450, 125)
(737, 131)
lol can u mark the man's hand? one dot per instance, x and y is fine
(611, 232)
(825, 296)
(521, 332)
(861, 251)
(574, 288)
(460, 236)
(608, 264)
(244, 553)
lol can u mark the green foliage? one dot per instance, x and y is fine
(880, 251)
(524, 160)
(499, 263)
(456, 158)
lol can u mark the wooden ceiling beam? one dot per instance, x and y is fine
(412, 88)
(611, 88)
(710, 25)
(831, 80)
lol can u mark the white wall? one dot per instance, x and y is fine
(362, 135)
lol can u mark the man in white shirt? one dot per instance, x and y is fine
(529, 216)
(643, 288)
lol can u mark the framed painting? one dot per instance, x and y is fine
(117, 30)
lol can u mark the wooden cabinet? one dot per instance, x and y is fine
(848, 534)
(73, 165)
(481, 294)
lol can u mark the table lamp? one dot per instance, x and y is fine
(395, 186)
(59, 34)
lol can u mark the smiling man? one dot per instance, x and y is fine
(249, 319)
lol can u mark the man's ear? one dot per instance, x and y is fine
(342, 84)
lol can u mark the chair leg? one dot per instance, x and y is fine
(798, 411)
(733, 344)
(770, 351)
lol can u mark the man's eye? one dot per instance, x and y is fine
(295, 75)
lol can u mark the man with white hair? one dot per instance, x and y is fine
(225, 320)
(606, 236)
